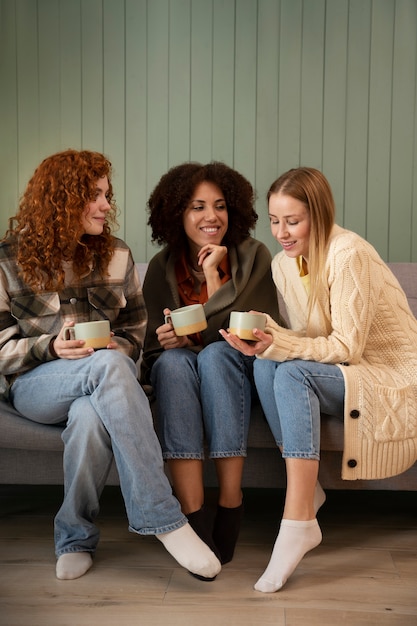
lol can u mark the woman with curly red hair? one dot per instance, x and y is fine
(59, 265)
(203, 214)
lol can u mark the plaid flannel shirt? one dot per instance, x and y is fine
(29, 320)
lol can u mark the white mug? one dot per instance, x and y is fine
(95, 334)
(242, 323)
(187, 320)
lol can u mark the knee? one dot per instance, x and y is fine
(172, 364)
(215, 355)
(114, 361)
(264, 369)
(83, 420)
(289, 370)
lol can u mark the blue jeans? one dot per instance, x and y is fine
(205, 395)
(292, 395)
(106, 413)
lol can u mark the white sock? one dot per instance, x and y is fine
(191, 552)
(294, 540)
(73, 565)
(319, 497)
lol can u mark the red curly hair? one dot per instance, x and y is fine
(48, 227)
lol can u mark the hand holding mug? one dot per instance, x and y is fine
(167, 337)
(180, 323)
(187, 320)
(246, 334)
(76, 341)
(242, 323)
(248, 349)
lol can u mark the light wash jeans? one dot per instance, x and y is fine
(106, 413)
(292, 395)
(201, 395)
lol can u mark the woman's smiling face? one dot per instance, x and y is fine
(206, 219)
(290, 224)
(94, 215)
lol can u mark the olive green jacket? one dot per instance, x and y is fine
(251, 287)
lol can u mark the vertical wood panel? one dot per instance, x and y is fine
(245, 88)
(357, 118)
(267, 139)
(157, 89)
(312, 78)
(380, 110)
(136, 128)
(70, 73)
(403, 125)
(262, 84)
(9, 189)
(27, 139)
(114, 38)
(201, 80)
(49, 77)
(223, 80)
(414, 185)
(334, 105)
(179, 82)
(289, 105)
(92, 75)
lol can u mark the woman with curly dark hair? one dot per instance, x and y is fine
(59, 265)
(203, 215)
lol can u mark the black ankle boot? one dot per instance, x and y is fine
(226, 531)
(201, 523)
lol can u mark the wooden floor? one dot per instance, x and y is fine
(364, 572)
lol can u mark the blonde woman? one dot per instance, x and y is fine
(351, 350)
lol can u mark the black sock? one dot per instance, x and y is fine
(200, 521)
(226, 531)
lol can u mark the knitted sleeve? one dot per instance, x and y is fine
(339, 326)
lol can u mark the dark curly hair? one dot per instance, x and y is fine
(174, 191)
(48, 226)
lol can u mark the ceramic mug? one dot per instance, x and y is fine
(187, 320)
(241, 324)
(95, 334)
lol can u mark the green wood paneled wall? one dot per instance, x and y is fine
(263, 85)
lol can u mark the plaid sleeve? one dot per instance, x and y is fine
(19, 353)
(130, 326)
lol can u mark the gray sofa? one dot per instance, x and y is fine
(32, 453)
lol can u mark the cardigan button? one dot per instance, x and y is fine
(354, 414)
(73, 300)
(352, 463)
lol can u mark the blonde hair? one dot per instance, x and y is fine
(310, 187)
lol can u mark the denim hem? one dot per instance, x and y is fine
(309, 456)
(74, 550)
(159, 530)
(187, 456)
(228, 455)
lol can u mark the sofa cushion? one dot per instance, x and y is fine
(18, 432)
(406, 274)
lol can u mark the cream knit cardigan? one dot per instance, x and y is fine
(362, 324)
